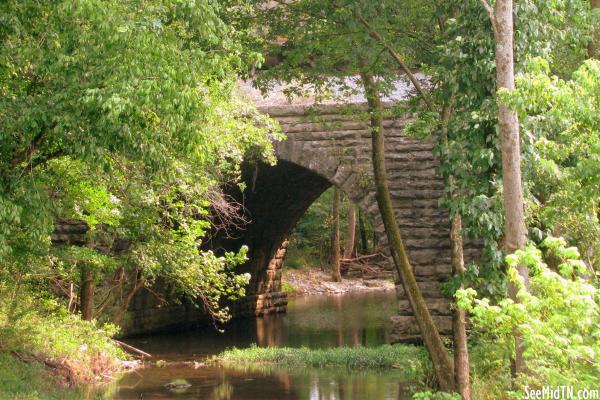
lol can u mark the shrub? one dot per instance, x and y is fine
(40, 329)
(558, 318)
(288, 288)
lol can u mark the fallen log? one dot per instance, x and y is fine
(132, 349)
(359, 258)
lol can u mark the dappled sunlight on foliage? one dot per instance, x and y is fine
(558, 316)
(561, 120)
(42, 330)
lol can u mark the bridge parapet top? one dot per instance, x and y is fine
(277, 102)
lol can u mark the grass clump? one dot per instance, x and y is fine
(430, 395)
(411, 362)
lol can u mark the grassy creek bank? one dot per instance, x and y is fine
(411, 362)
(28, 377)
(32, 379)
(49, 353)
(408, 364)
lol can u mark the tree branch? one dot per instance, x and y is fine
(21, 156)
(131, 348)
(42, 160)
(139, 283)
(490, 12)
(375, 35)
(488, 8)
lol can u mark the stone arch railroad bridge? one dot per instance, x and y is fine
(325, 145)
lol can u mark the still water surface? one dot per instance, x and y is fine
(314, 322)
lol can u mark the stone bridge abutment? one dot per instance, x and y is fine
(331, 145)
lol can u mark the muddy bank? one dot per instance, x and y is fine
(315, 281)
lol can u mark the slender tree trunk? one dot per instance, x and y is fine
(433, 342)
(335, 240)
(508, 122)
(139, 282)
(594, 45)
(459, 317)
(86, 293)
(364, 243)
(71, 296)
(351, 230)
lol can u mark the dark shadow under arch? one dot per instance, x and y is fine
(274, 199)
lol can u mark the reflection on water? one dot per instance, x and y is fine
(225, 384)
(315, 322)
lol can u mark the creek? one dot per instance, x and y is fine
(314, 322)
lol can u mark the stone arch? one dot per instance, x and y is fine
(349, 178)
(328, 145)
(275, 198)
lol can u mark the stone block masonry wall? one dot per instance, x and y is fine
(336, 145)
(268, 297)
(69, 232)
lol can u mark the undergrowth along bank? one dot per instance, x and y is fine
(31, 380)
(47, 352)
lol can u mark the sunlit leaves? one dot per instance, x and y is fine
(558, 317)
(561, 119)
(124, 114)
(462, 70)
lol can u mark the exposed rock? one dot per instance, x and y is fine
(313, 281)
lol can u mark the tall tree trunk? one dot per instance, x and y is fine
(459, 317)
(351, 230)
(442, 365)
(508, 122)
(364, 243)
(335, 240)
(594, 45)
(86, 293)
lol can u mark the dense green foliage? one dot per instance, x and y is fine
(124, 115)
(462, 69)
(559, 136)
(561, 119)
(121, 114)
(558, 316)
(96, 80)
